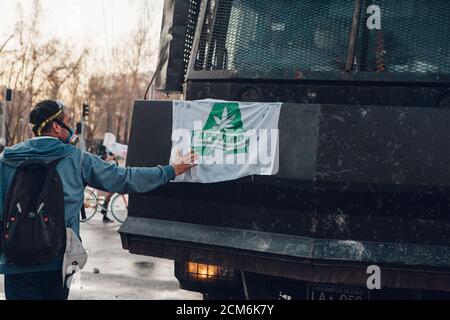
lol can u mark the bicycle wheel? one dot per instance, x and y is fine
(119, 207)
(90, 204)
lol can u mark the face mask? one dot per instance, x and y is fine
(72, 138)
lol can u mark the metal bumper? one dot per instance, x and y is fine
(314, 260)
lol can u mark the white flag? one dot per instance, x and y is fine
(115, 148)
(232, 139)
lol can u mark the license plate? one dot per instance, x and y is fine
(332, 292)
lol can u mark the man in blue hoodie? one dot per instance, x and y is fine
(54, 140)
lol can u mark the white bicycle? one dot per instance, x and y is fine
(118, 206)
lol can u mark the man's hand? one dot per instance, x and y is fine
(182, 164)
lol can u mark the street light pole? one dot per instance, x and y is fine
(84, 117)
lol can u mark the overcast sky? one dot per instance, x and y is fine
(99, 23)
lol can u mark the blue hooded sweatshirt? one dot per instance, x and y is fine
(77, 169)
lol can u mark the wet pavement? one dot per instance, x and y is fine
(114, 274)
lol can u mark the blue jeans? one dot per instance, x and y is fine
(36, 286)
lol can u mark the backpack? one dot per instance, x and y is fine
(33, 228)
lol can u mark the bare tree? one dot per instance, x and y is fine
(41, 68)
(37, 69)
(134, 62)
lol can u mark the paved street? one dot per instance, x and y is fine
(121, 275)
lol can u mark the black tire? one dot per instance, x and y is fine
(119, 207)
(90, 204)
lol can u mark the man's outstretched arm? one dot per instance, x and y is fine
(109, 177)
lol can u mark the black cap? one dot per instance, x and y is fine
(43, 111)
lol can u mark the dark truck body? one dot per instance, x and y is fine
(364, 174)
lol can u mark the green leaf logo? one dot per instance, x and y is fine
(224, 116)
(223, 130)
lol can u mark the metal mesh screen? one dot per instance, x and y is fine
(253, 35)
(313, 35)
(414, 37)
(192, 18)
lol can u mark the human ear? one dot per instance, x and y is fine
(56, 128)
